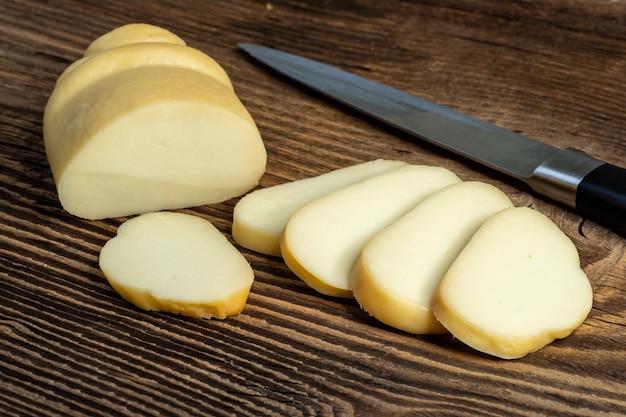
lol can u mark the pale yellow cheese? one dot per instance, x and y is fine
(146, 127)
(259, 218)
(323, 238)
(178, 263)
(132, 33)
(515, 287)
(95, 68)
(150, 139)
(399, 269)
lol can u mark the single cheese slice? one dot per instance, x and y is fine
(149, 139)
(132, 33)
(259, 218)
(515, 287)
(177, 263)
(323, 238)
(399, 269)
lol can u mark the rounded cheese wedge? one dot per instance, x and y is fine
(259, 218)
(178, 263)
(399, 269)
(323, 238)
(141, 126)
(515, 287)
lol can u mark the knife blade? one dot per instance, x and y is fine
(593, 188)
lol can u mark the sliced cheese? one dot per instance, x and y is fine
(399, 269)
(177, 263)
(259, 218)
(515, 287)
(323, 238)
(149, 139)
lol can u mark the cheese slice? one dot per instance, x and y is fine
(515, 287)
(399, 269)
(323, 238)
(259, 218)
(178, 263)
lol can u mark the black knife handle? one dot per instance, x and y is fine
(601, 196)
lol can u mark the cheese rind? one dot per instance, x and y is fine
(259, 218)
(515, 287)
(323, 238)
(132, 33)
(90, 70)
(178, 263)
(399, 269)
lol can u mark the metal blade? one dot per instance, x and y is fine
(490, 145)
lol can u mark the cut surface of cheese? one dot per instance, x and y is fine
(132, 33)
(398, 270)
(149, 139)
(259, 218)
(178, 263)
(515, 287)
(323, 238)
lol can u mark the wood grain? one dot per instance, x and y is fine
(553, 70)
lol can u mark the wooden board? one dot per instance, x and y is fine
(554, 70)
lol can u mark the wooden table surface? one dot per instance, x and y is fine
(554, 70)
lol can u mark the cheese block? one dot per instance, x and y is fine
(178, 263)
(323, 238)
(259, 218)
(399, 269)
(515, 287)
(144, 123)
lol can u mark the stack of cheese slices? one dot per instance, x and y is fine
(424, 252)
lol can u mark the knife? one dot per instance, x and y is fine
(591, 187)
